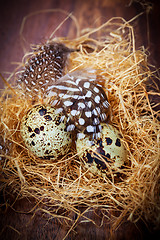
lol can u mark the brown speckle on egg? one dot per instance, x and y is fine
(43, 133)
(48, 117)
(29, 129)
(108, 141)
(42, 111)
(42, 128)
(118, 142)
(104, 152)
(37, 131)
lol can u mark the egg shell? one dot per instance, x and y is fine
(106, 152)
(43, 133)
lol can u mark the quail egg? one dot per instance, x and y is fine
(43, 131)
(106, 152)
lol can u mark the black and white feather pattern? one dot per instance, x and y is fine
(82, 99)
(43, 68)
(79, 95)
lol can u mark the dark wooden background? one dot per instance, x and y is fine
(37, 30)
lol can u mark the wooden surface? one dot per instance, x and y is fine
(89, 13)
(38, 28)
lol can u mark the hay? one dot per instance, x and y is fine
(64, 183)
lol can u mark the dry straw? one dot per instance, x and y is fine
(64, 184)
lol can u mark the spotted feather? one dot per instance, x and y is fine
(43, 68)
(83, 101)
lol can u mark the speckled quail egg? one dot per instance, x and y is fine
(43, 131)
(104, 153)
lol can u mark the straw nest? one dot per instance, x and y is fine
(64, 183)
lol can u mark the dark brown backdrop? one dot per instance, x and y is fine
(37, 30)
